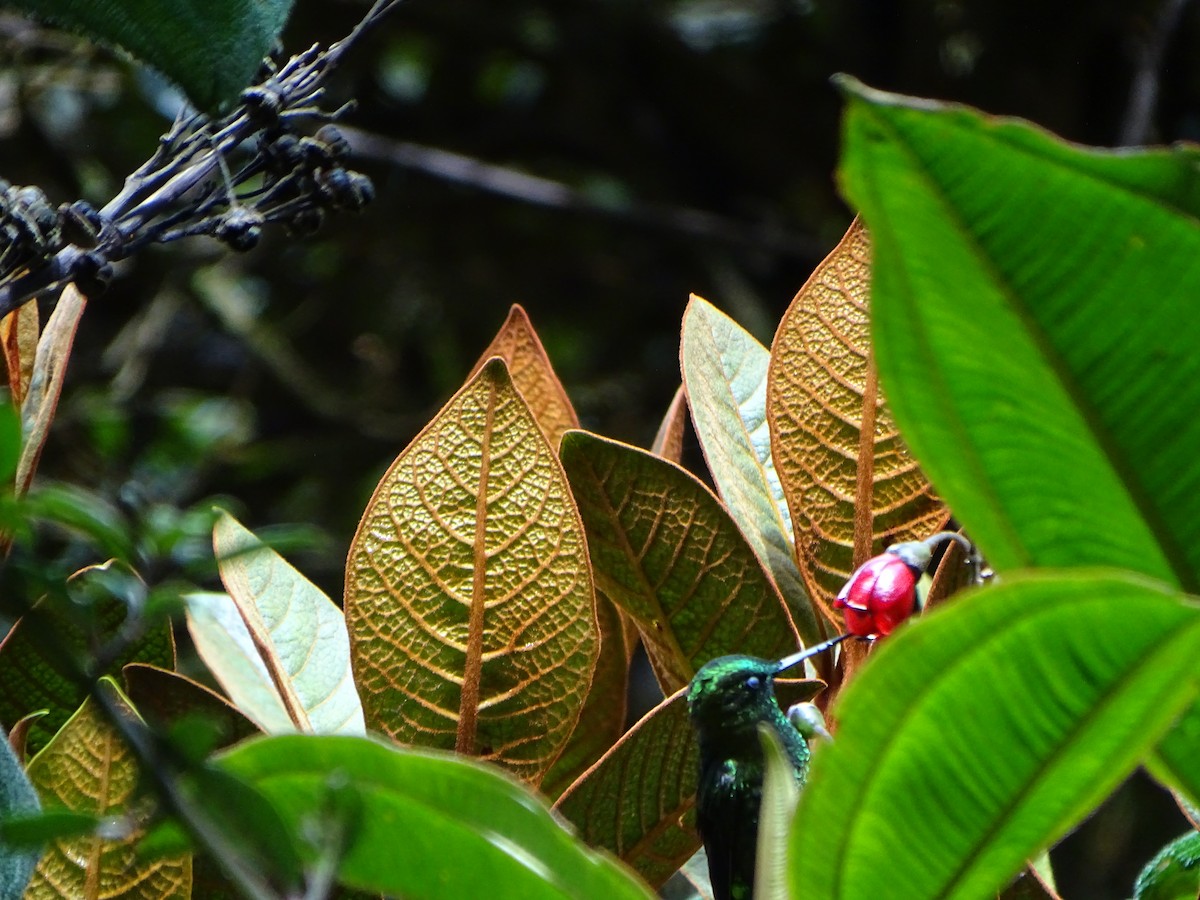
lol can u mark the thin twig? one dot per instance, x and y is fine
(1143, 93)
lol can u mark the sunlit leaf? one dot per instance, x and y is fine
(529, 367)
(725, 376)
(19, 332)
(41, 644)
(224, 643)
(86, 768)
(299, 633)
(602, 719)
(46, 380)
(852, 486)
(210, 48)
(468, 590)
(430, 825)
(639, 801)
(780, 794)
(987, 732)
(17, 797)
(665, 550)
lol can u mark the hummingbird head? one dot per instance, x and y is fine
(731, 694)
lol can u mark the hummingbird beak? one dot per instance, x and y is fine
(796, 658)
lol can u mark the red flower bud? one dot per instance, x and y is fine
(879, 596)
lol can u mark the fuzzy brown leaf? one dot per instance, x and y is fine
(852, 486)
(469, 594)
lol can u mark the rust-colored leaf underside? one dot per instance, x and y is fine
(821, 390)
(529, 367)
(468, 590)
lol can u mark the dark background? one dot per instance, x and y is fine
(693, 146)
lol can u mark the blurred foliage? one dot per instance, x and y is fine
(289, 378)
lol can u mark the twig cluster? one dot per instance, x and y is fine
(190, 185)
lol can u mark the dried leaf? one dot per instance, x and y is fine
(468, 589)
(299, 633)
(529, 367)
(954, 573)
(86, 768)
(19, 733)
(19, 333)
(668, 442)
(639, 801)
(46, 380)
(725, 377)
(851, 484)
(665, 550)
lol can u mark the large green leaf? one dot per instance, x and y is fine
(1032, 326)
(428, 825)
(210, 48)
(982, 735)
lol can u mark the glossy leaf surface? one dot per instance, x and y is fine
(468, 831)
(468, 590)
(988, 730)
(665, 550)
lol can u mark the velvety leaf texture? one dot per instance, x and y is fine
(210, 48)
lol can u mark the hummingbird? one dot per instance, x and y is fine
(727, 698)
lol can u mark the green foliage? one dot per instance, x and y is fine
(210, 48)
(1174, 874)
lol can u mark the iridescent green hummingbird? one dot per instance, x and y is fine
(727, 698)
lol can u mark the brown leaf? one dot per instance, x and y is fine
(529, 366)
(668, 443)
(469, 595)
(87, 768)
(46, 380)
(852, 486)
(1028, 886)
(19, 337)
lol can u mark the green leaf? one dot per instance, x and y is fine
(780, 795)
(35, 829)
(210, 48)
(299, 633)
(35, 654)
(430, 825)
(665, 550)
(986, 733)
(10, 441)
(1174, 874)
(1029, 327)
(725, 377)
(638, 801)
(17, 797)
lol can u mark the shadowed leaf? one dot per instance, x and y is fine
(210, 48)
(638, 802)
(86, 768)
(46, 380)
(852, 486)
(33, 656)
(665, 550)
(529, 367)
(298, 632)
(162, 698)
(725, 376)
(468, 590)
